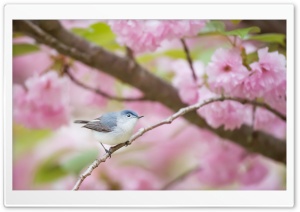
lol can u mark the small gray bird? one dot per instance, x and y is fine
(112, 128)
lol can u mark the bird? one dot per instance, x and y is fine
(113, 127)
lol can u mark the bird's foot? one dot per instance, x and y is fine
(127, 143)
(107, 151)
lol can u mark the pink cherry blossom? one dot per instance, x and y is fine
(266, 74)
(276, 97)
(147, 35)
(226, 70)
(184, 82)
(43, 102)
(228, 113)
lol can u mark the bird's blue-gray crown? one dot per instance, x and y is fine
(129, 113)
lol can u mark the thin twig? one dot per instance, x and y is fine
(98, 91)
(257, 104)
(168, 120)
(181, 177)
(189, 58)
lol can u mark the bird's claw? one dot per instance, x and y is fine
(108, 152)
(127, 143)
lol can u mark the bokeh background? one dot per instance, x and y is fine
(50, 151)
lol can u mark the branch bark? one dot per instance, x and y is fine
(51, 33)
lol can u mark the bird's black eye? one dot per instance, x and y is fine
(128, 115)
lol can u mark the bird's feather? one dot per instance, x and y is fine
(105, 123)
(81, 122)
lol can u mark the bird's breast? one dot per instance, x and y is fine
(113, 138)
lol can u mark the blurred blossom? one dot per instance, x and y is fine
(153, 111)
(147, 35)
(226, 70)
(171, 145)
(69, 138)
(183, 80)
(131, 178)
(270, 123)
(253, 170)
(273, 179)
(43, 102)
(25, 66)
(220, 164)
(94, 79)
(23, 171)
(90, 183)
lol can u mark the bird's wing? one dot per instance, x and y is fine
(97, 126)
(105, 123)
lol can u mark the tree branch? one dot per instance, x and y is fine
(189, 58)
(51, 33)
(267, 26)
(98, 91)
(141, 132)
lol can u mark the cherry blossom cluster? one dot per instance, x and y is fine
(148, 35)
(226, 75)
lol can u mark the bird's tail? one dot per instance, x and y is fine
(81, 122)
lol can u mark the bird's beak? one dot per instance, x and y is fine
(140, 117)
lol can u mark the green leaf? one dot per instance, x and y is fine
(218, 28)
(248, 58)
(25, 139)
(79, 161)
(24, 48)
(269, 38)
(205, 56)
(244, 32)
(100, 34)
(252, 57)
(174, 53)
(50, 169)
(213, 26)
